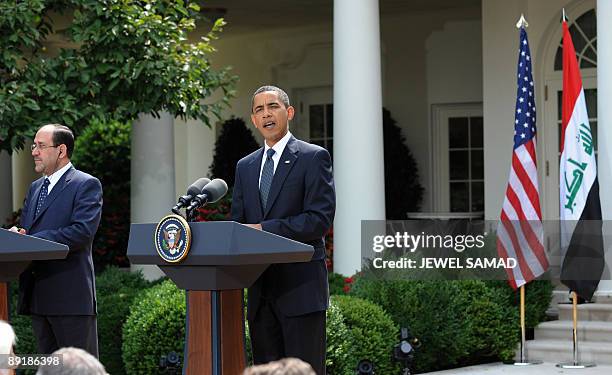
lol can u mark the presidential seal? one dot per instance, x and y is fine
(172, 238)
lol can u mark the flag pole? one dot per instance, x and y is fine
(523, 357)
(575, 363)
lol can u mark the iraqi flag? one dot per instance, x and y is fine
(580, 209)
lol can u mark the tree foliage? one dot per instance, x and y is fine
(121, 58)
(403, 191)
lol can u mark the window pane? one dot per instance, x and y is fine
(476, 132)
(477, 196)
(477, 164)
(588, 24)
(559, 105)
(458, 162)
(459, 198)
(559, 59)
(457, 132)
(584, 64)
(330, 148)
(329, 118)
(590, 95)
(578, 39)
(316, 121)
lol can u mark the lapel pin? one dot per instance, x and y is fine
(287, 161)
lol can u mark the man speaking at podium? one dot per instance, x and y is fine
(286, 188)
(63, 206)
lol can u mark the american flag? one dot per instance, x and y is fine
(520, 233)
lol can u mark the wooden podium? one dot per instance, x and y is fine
(225, 258)
(16, 253)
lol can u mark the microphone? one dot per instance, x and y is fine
(211, 193)
(192, 191)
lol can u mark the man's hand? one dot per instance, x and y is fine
(18, 230)
(256, 226)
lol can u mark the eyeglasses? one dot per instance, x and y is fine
(41, 147)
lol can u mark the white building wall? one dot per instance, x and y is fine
(412, 84)
(425, 61)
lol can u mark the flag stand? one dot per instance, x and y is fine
(523, 358)
(575, 363)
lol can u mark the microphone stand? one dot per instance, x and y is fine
(190, 214)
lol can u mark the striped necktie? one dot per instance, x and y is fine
(267, 174)
(43, 195)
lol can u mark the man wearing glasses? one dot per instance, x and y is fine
(64, 206)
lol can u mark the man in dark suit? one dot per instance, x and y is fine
(286, 188)
(64, 206)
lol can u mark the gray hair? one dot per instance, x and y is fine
(285, 366)
(282, 95)
(74, 362)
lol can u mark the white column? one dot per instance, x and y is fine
(358, 135)
(604, 128)
(152, 175)
(6, 187)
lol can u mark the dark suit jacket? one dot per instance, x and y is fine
(70, 215)
(301, 206)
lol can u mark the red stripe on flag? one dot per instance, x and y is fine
(532, 238)
(530, 147)
(501, 249)
(572, 83)
(530, 189)
(525, 269)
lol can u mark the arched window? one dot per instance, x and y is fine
(584, 36)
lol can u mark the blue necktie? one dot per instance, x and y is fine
(43, 195)
(266, 178)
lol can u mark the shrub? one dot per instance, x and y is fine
(155, 327)
(492, 324)
(103, 150)
(116, 290)
(336, 283)
(220, 210)
(468, 321)
(338, 360)
(403, 191)
(234, 143)
(538, 295)
(372, 334)
(22, 324)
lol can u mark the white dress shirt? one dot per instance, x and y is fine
(278, 148)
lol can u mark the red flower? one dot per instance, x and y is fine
(348, 280)
(346, 288)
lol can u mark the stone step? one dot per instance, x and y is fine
(587, 312)
(603, 297)
(556, 351)
(591, 331)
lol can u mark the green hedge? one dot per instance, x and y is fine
(116, 290)
(338, 360)
(337, 283)
(469, 321)
(155, 327)
(372, 334)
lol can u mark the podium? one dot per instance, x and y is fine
(225, 257)
(16, 253)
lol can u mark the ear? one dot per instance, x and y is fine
(253, 120)
(63, 150)
(290, 112)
